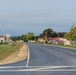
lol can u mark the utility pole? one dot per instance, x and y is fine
(3, 34)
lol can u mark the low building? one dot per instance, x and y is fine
(2, 39)
(41, 39)
(63, 39)
(57, 40)
(60, 40)
(67, 42)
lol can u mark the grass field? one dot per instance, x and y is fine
(6, 50)
(65, 46)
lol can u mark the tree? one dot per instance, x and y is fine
(30, 36)
(15, 38)
(61, 34)
(68, 35)
(41, 35)
(72, 34)
(36, 38)
(48, 31)
(54, 34)
(23, 37)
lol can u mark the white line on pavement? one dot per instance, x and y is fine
(51, 70)
(30, 70)
(12, 67)
(28, 57)
(48, 68)
(38, 67)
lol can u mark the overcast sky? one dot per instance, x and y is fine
(23, 16)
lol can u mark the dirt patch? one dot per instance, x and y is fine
(16, 57)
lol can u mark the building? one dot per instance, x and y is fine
(57, 40)
(41, 40)
(2, 39)
(67, 42)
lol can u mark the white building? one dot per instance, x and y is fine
(2, 39)
(40, 39)
(67, 42)
(63, 39)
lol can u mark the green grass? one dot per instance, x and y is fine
(6, 50)
(65, 46)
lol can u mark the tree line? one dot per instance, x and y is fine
(30, 36)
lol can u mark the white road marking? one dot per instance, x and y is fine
(28, 57)
(53, 66)
(50, 70)
(43, 68)
(39, 67)
(30, 70)
(12, 67)
(58, 68)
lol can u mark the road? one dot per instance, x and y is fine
(42, 55)
(44, 60)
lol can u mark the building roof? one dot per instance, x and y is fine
(58, 39)
(40, 38)
(1, 37)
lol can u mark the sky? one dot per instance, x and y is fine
(19, 17)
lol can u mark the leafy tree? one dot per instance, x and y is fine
(15, 38)
(72, 34)
(36, 38)
(68, 35)
(23, 37)
(30, 36)
(54, 34)
(48, 31)
(41, 35)
(61, 34)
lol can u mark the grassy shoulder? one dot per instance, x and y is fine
(59, 45)
(64, 46)
(6, 50)
(16, 53)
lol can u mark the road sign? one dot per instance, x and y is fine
(8, 35)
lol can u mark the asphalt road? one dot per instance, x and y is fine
(43, 55)
(44, 60)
